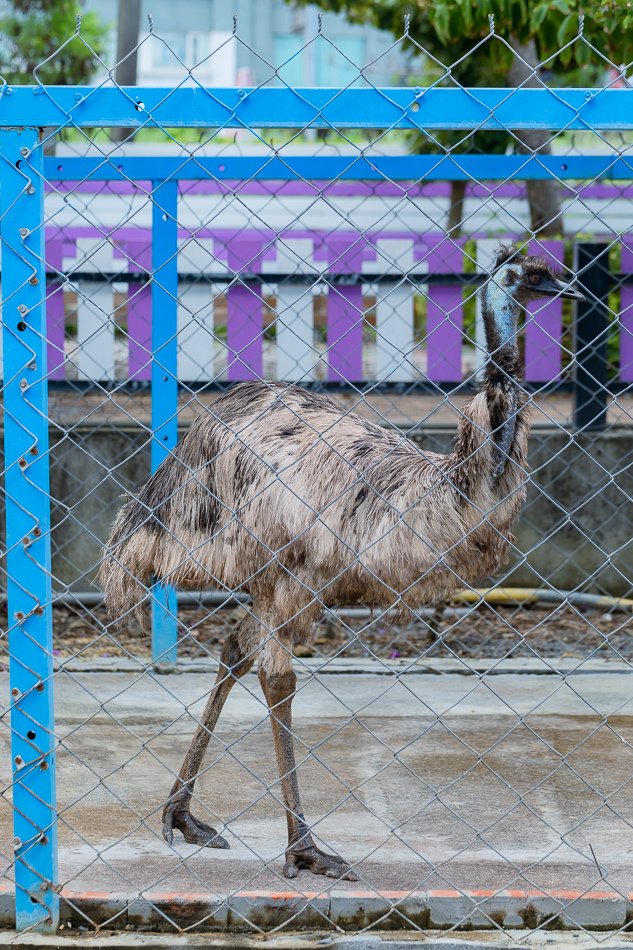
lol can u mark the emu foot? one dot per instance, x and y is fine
(317, 861)
(194, 831)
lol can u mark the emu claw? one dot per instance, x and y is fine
(318, 862)
(193, 830)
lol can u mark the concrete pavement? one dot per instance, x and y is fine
(427, 781)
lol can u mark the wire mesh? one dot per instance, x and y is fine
(321, 337)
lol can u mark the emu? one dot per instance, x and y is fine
(275, 492)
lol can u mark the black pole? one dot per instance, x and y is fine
(590, 384)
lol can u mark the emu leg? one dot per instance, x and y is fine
(279, 689)
(237, 659)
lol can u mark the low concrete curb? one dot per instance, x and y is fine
(349, 666)
(430, 940)
(353, 911)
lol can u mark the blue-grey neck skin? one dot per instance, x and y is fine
(500, 309)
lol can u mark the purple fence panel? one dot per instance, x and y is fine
(139, 328)
(55, 314)
(626, 314)
(344, 254)
(544, 329)
(244, 307)
(139, 310)
(444, 311)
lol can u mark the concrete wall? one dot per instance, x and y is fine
(575, 528)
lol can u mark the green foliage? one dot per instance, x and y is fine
(449, 28)
(40, 42)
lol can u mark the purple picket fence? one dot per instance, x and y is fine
(139, 309)
(626, 314)
(444, 312)
(241, 254)
(544, 327)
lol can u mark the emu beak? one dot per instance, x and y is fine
(552, 287)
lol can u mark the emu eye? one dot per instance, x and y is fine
(534, 278)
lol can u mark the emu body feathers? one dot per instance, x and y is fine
(276, 492)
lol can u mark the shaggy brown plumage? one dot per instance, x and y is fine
(274, 491)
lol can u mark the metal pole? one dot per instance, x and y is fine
(28, 560)
(590, 384)
(164, 386)
(128, 26)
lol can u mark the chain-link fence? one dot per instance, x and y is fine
(346, 347)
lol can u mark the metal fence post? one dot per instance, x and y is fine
(590, 381)
(164, 386)
(28, 559)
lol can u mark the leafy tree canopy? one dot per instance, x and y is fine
(41, 34)
(448, 29)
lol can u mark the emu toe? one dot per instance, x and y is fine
(318, 862)
(192, 829)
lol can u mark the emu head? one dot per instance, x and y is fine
(514, 281)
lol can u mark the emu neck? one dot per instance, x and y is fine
(500, 313)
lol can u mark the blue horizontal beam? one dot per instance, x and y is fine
(341, 168)
(281, 107)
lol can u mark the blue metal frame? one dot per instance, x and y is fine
(164, 387)
(22, 175)
(282, 107)
(332, 168)
(28, 529)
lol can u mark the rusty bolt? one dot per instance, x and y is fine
(22, 463)
(33, 450)
(23, 384)
(15, 692)
(40, 686)
(19, 615)
(17, 842)
(22, 308)
(42, 839)
(19, 761)
(30, 189)
(43, 765)
(34, 280)
(38, 611)
(44, 886)
(24, 232)
(37, 532)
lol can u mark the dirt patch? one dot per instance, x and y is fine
(486, 632)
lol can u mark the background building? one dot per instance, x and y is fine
(271, 34)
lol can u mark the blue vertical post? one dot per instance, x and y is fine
(164, 386)
(28, 559)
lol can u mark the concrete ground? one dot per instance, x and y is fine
(541, 940)
(519, 778)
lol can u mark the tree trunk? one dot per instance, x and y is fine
(543, 196)
(128, 26)
(456, 209)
